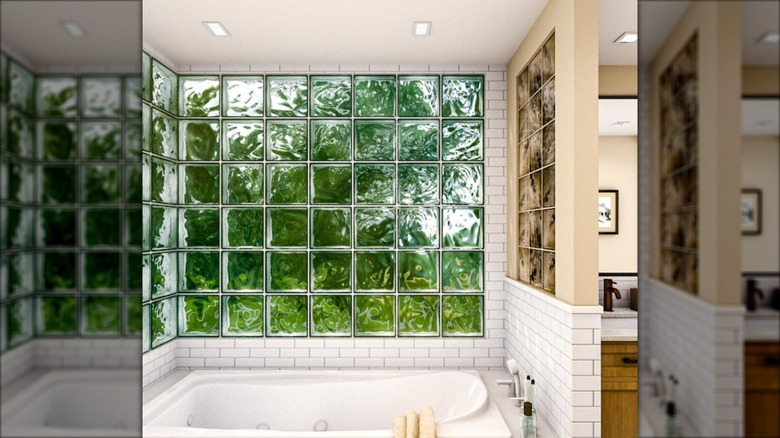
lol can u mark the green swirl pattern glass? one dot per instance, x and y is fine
(374, 227)
(101, 270)
(59, 270)
(56, 315)
(462, 227)
(101, 96)
(133, 315)
(418, 184)
(462, 271)
(200, 96)
(243, 184)
(164, 88)
(287, 227)
(165, 270)
(200, 141)
(19, 321)
(375, 96)
(375, 271)
(199, 315)
(58, 227)
(242, 315)
(100, 184)
(199, 227)
(201, 271)
(288, 140)
(331, 227)
(418, 227)
(331, 315)
(165, 181)
(287, 184)
(288, 96)
(331, 271)
(243, 271)
(200, 184)
(462, 184)
(287, 315)
(101, 140)
(331, 184)
(57, 96)
(418, 271)
(164, 228)
(462, 315)
(243, 140)
(164, 135)
(57, 140)
(374, 140)
(21, 91)
(374, 315)
(462, 96)
(418, 96)
(374, 184)
(101, 315)
(163, 321)
(244, 228)
(462, 140)
(243, 96)
(418, 315)
(331, 140)
(331, 96)
(418, 141)
(287, 272)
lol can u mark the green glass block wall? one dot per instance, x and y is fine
(314, 205)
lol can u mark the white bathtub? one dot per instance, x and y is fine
(76, 403)
(345, 403)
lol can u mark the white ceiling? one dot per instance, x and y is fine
(612, 114)
(761, 117)
(616, 17)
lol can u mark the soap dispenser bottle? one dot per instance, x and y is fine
(671, 420)
(528, 421)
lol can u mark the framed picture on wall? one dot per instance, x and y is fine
(608, 211)
(750, 206)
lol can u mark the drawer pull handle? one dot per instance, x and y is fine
(772, 361)
(629, 361)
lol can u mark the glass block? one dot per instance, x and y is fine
(101, 270)
(101, 315)
(20, 134)
(200, 184)
(462, 227)
(134, 184)
(374, 227)
(535, 73)
(164, 274)
(288, 227)
(133, 315)
(134, 266)
(331, 315)
(287, 272)
(548, 58)
(164, 228)
(20, 183)
(287, 184)
(243, 141)
(199, 96)
(331, 140)
(133, 140)
(20, 278)
(243, 271)
(548, 186)
(243, 96)
(146, 223)
(418, 227)
(418, 271)
(548, 102)
(374, 140)
(164, 88)
(146, 76)
(19, 321)
(242, 315)
(374, 184)
(548, 144)
(535, 276)
(462, 271)
(288, 140)
(331, 96)
(418, 96)
(462, 96)
(374, 315)
(100, 184)
(163, 324)
(165, 135)
(199, 315)
(59, 270)
(374, 96)
(331, 184)
(18, 224)
(462, 141)
(199, 140)
(462, 315)
(56, 315)
(375, 271)
(418, 184)
(101, 227)
(418, 315)
(146, 119)
(20, 87)
(243, 184)
(146, 326)
(548, 268)
(3, 80)
(418, 140)
(243, 227)
(462, 184)
(101, 140)
(132, 92)
(331, 271)
(101, 96)
(58, 227)
(287, 315)
(56, 96)
(287, 96)
(331, 227)
(57, 140)
(535, 229)
(199, 227)
(199, 271)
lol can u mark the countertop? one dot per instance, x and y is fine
(620, 325)
(620, 312)
(618, 335)
(762, 325)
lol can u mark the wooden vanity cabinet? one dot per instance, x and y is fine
(762, 389)
(619, 407)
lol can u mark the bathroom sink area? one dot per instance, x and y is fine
(619, 325)
(762, 325)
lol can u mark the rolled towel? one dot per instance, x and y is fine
(412, 425)
(427, 423)
(399, 426)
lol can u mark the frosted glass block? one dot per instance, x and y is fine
(18, 227)
(243, 271)
(19, 321)
(199, 227)
(331, 96)
(418, 228)
(101, 140)
(287, 96)
(101, 271)
(331, 271)
(164, 228)
(199, 96)
(100, 184)
(418, 271)
(288, 140)
(133, 140)
(56, 96)
(243, 227)
(287, 227)
(20, 87)
(374, 184)
(462, 141)
(331, 184)
(375, 271)
(242, 315)
(331, 140)
(199, 315)
(20, 134)
(331, 227)
(146, 325)
(243, 96)
(56, 315)
(462, 227)
(418, 96)
(146, 221)
(374, 140)
(462, 271)
(146, 134)
(375, 96)
(146, 76)
(57, 140)
(199, 271)
(243, 184)
(287, 184)
(418, 184)
(462, 315)
(164, 181)
(101, 96)
(331, 315)
(548, 229)
(287, 271)
(462, 184)
(287, 315)
(101, 315)
(132, 93)
(199, 140)
(548, 102)
(243, 140)
(462, 96)
(199, 184)
(418, 315)
(163, 321)
(19, 181)
(20, 278)
(164, 274)
(374, 227)
(418, 140)
(164, 88)
(165, 135)
(374, 315)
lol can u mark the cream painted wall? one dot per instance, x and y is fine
(618, 171)
(761, 170)
(760, 81)
(617, 80)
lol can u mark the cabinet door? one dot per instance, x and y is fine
(619, 414)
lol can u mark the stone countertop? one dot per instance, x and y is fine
(762, 325)
(618, 335)
(620, 312)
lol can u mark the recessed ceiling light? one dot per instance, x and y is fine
(769, 38)
(73, 29)
(422, 28)
(627, 38)
(217, 28)
(620, 123)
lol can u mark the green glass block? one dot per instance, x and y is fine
(164, 135)
(331, 271)
(242, 315)
(418, 315)
(200, 271)
(133, 315)
(287, 184)
(288, 227)
(199, 140)
(331, 227)
(164, 88)
(331, 315)
(331, 140)
(374, 184)
(20, 181)
(57, 96)
(462, 315)
(164, 181)
(200, 184)
(462, 96)
(101, 96)
(331, 184)
(101, 227)
(56, 315)
(374, 140)
(331, 96)
(287, 272)
(134, 184)
(146, 76)
(199, 227)
(418, 271)
(21, 279)
(57, 140)
(244, 271)
(287, 315)
(288, 140)
(58, 227)
(3, 77)
(462, 141)
(374, 96)
(101, 271)
(243, 184)
(243, 141)
(418, 140)
(18, 224)
(243, 228)
(418, 96)
(199, 315)
(20, 133)
(374, 315)
(462, 227)
(146, 326)
(164, 228)
(134, 140)
(101, 315)
(462, 271)
(146, 120)
(20, 87)
(287, 96)
(58, 185)
(243, 96)
(132, 93)
(462, 184)
(146, 223)
(59, 270)
(375, 271)
(164, 274)
(19, 321)
(134, 270)
(374, 227)
(199, 96)
(418, 184)
(163, 324)
(418, 227)
(100, 184)
(101, 140)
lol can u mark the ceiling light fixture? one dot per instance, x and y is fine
(73, 29)
(216, 28)
(627, 38)
(769, 38)
(422, 28)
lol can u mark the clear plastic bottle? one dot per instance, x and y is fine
(528, 421)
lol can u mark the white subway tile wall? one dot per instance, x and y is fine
(624, 285)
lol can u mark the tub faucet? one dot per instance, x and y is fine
(752, 291)
(609, 289)
(514, 382)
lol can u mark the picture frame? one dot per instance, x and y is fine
(608, 212)
(751, 212)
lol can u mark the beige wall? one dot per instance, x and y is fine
(575, 24)
(618, 171)
(617, 80)
(760, 81)
(761, 170)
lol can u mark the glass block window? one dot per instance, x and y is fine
(536, 169)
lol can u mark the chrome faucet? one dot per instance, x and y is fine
(609, 289)
(514, 382)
